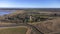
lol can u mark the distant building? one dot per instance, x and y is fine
(31, 18)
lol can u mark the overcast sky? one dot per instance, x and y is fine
(29, 3)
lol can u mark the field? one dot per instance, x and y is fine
(13, 31)
(38, 21)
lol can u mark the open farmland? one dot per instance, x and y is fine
(18, 30)
(38, 21)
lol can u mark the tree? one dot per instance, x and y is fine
(55, 14)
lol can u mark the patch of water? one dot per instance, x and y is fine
(3, 12)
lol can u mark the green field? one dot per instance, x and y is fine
(13, 31)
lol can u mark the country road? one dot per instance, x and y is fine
(33, 27)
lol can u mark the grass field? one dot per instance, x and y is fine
(13, 31)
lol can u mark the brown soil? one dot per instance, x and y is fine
(50, 26)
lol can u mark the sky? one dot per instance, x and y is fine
(29, 3)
